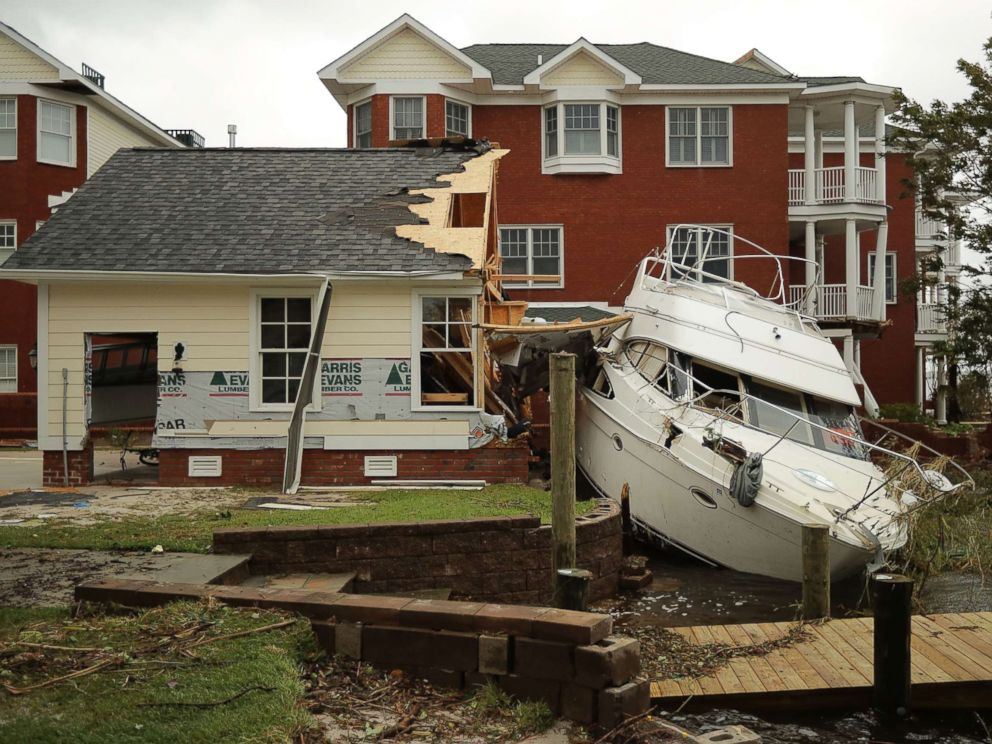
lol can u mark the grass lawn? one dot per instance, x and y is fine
(193, 532)
(160, 683)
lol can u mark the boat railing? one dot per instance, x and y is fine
(674, 268)
(924, 476)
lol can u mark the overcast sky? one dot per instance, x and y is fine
(206, 63)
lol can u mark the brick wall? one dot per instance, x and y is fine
(80, 467)
(495, 463)
(504, 559)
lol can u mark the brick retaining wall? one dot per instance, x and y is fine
(505, 559)
(494, 464)
(80, 467)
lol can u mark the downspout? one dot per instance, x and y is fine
(294, 440)
(65, 428)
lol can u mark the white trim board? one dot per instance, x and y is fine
(397, 442)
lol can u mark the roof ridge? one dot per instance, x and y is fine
(708, 59)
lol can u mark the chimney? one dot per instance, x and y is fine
(232, 132)
(93, 76)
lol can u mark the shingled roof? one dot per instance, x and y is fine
(657, 65)
(246, 211)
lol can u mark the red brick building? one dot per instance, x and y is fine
(57, 127)
(614, 146)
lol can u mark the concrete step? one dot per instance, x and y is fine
(315, 582)
(193, 568)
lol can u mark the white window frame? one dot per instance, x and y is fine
(895, 275)
(700, 231)
(354, 121)
(72, 133)
(14, 129)
(254, 347)
(5, 348)
(7, 251)
(392, 116)
(560, 284)
(563, 162)
(699, 138)
(416, 345)
(468, 116)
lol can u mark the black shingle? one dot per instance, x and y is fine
(245, 211)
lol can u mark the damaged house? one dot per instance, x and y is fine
(314, 314)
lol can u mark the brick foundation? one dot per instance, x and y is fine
(493, 464)
(80, 467)
(501, 559)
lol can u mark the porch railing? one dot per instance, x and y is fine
(830, 186)
(928, 228)
(830, 301)
(929, 318)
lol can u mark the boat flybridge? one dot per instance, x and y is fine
(727, 419)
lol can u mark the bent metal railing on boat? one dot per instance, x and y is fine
(924, 477)
(675, 270)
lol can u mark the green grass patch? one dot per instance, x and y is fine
(193, 532)
(236, 689)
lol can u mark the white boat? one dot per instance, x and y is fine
(710, 377)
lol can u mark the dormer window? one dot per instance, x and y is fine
(582, 138)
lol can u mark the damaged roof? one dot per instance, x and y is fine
(246, 211)
(657, 65)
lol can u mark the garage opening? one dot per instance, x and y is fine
(123, 398)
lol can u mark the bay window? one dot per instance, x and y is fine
(699, 136)
(363, 124)
(582, 138)
(407, 117)
(456, 119)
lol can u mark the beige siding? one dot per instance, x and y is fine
(211, 321)
(406, 55)
(368, 321)
(17, 63)
(108, 134)
(424, 427)
(582, 69)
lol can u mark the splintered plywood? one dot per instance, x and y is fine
(476, 178)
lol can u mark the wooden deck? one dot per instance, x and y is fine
(951, 665)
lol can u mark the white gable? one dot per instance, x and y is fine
(17, 63)
(582, 69)
(405, 55)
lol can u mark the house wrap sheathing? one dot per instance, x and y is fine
(223, 254)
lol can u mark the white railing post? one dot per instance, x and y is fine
(810, 158)
(880, 154)
(850, 153)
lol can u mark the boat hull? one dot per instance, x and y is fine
(692, 510)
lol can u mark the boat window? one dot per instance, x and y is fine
(777, 410)
(841, 432)
(602, 386)
(718, 389)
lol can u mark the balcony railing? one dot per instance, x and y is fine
(930, 318)
(928, 228)
(830, 302)
(830, 186)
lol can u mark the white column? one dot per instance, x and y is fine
(810, 159)
(880, 154)
(921, 369)
(850, 153)
(852, 267)
(849, 352)
(882, 238)
(940, 399)
(811, 265)
(819, 148)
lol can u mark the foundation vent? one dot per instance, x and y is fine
(380, 467)
(204, 467)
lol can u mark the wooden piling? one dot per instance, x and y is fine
(562, 374)
(892, 599)
(572, 590)
(816, 571)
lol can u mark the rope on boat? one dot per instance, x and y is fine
(746, 480)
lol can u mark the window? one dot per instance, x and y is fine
(684, 248)
(588, 140)
(8, 127)
(284, 325)
(779, 411)
(363, 124)
(456, 119)
(408, 118)
(8, 239)
(532, 250)
(445, 343)
(8, 369)
(891, 291)
(699, 135)
(55, 133)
